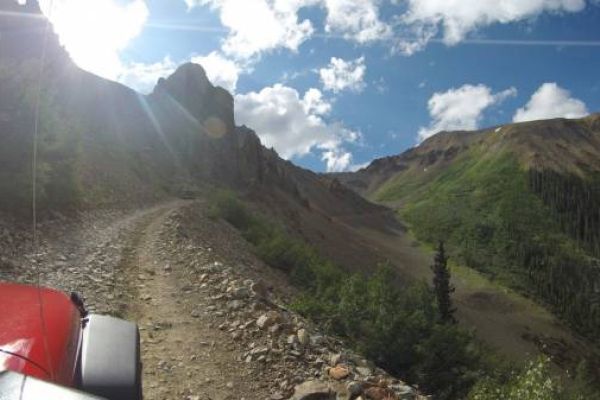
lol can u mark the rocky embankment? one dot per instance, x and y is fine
(293, 358)
(212, 317)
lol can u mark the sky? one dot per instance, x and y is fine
(334, 84)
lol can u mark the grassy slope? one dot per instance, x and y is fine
(469, 189)
(482, 207)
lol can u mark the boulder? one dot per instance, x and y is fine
(292, 340)
(268, 319)
(404, 392)
(303, 337)
(355, 389)
(314, 390)
(379, 393)
(339, 372)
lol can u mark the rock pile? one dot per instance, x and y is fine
(295, 358)
(81, 253)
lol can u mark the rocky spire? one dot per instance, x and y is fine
(211, 106)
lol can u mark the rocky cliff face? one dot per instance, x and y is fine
(212, 107)
(131, 145)
(104, 144)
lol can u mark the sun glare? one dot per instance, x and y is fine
(95, 31)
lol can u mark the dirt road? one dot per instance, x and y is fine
(211, 315)
(132, 264)
(184, 353)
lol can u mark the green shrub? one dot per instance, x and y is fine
(536, 382)
(533, 231)
(224, 204)
(398, 328)
(533, 383)
(58, 148)
(584, 385)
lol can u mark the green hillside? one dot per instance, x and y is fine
(533, 230)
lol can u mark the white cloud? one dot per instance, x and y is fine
(143, 77)
(358, 167)
(460, 109)
(95, 31)
(340, 75)
(337, 160)
(356, 20)
(220, 70)
(294, 125)
(551, 101)
(459, 17)
(414, 36)
(257, 26)
(314, 103)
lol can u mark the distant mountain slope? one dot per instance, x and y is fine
(102, 144)
(520, 202)
(561, 145)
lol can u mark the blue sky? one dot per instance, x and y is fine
(334, 84)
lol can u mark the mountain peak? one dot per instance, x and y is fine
(190, 74)
(190, 87)
(23, 31)
(188, 79)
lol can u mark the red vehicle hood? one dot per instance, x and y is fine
(46, 348)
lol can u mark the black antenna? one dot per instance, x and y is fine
(34, 191)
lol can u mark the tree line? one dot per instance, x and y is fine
(569, 278)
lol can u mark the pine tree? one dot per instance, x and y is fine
(441, 285)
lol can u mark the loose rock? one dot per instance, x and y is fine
(303, 337)
(364, 371)
(338, 373)
(268, 319)
(313, 390)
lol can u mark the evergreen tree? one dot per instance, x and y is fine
(441, 285)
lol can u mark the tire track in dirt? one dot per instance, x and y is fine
(183, 357)
(211, 322)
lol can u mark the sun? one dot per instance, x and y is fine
(94, 32)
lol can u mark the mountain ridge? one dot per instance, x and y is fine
(519, 203)
(526, 139)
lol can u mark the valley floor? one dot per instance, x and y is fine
(503, 319)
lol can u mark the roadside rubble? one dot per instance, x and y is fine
(296, 359)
